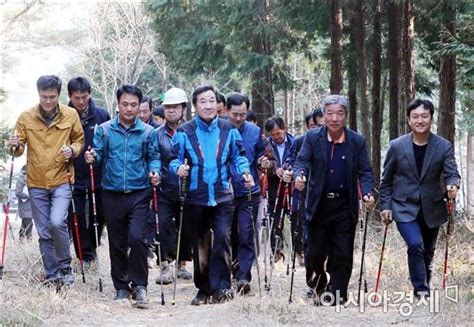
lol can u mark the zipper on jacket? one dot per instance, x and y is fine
(125, 164)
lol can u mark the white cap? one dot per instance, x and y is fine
(175, 96)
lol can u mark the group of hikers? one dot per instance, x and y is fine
(216, 191)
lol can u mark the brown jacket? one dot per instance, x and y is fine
(46, 164)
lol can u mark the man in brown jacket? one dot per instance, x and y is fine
(54, 136)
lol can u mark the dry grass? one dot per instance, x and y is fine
(25, 301)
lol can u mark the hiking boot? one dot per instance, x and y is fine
(183, 273)
(140, 297)
(67, 277)
(200, 298)
(243, 286)
(165, 275)
(121, 295)
(223, 296)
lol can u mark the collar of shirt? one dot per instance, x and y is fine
(125, 129)
(342, 139)
(85, 113)
(281, 148)
(48, 119)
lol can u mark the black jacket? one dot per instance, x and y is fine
(95, 116)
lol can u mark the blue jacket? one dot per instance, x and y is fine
(312, 159)
(210, 150)
(253, 145)
(271, 152)
(95, 116)
(169, 186)
(127, 158)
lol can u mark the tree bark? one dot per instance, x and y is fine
(447, 79)
(377, 109)
(352, 75)
(469, 198)
(262, 79)
(408, 73)
(394, 40)
(336, 83)
(362, 73)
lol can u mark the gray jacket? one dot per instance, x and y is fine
(24, 205)
(405, 191)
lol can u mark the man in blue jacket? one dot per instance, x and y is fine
(210, 145)
(127, 150)
(79, 90)
(243, 247)
(334, 158)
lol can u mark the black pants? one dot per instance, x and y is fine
(243, 248)
(330, 235)
(169, 216)
(128, 216)
(85, 222)
(211, 258)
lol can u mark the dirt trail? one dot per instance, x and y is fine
(25, 301)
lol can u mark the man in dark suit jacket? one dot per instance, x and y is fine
(334, 158)
(412, 192)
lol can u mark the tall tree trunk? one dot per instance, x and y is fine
(262, 79)
(469, 198)
(362, 72)
(394, 40)
(407, 92)
(377, 109)
(352, 75)
(335, 83)
(447, 78)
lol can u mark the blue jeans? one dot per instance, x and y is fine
(421, 242)
(50, 211)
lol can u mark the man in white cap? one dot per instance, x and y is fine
(174, 102)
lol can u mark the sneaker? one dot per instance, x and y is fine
(166, 275)
(300, 259)
(183, 273)
(223, 296)
(243, 286)
(279, 256)
(121, 295)
(200, 298)
(140, 297)
(67, 277)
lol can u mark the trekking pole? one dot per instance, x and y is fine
(6, 208)
(293, 264)
(277, 237)
(379, 272)
(96, 225)
(76, 225)
(249, 198)
(363, 257)
(361, 213)
(448, 233)
(270, 231)
(158, 240)
(265, 226)
(289, 241)
(182, 196)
